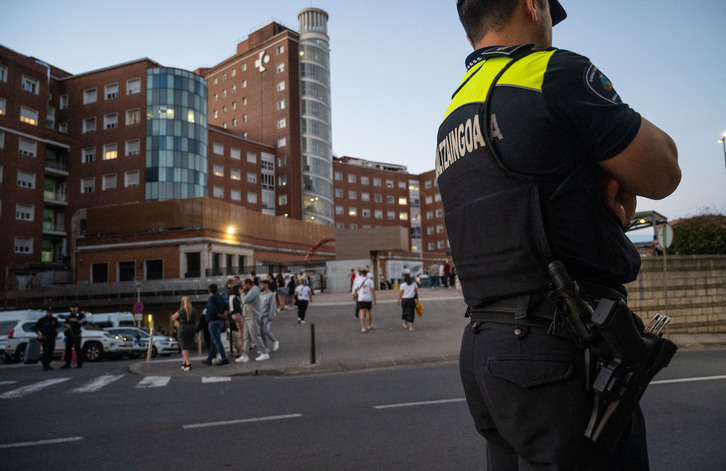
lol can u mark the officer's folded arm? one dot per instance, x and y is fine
(648, 167)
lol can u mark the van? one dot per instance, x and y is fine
(113, 319)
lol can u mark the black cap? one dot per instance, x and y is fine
(74, 304)
(49, 309)
(557, 12)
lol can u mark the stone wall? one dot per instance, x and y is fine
(689, 289)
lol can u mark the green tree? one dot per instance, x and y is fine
(699, 235)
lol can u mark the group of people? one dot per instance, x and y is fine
(249, 306)
(47, 329)
(441, 274)
(364, 295)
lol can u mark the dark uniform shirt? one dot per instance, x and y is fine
(75, 327)
(48, 326)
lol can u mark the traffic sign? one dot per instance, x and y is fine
(139, 307)
(665, 236)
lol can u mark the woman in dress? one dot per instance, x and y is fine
(407, 300)
(187, 317)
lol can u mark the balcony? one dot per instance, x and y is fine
(55, 198)
(56, 169)
(54, 229)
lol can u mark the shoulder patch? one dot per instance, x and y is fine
(600, 85)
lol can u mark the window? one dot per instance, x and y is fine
(133, 86)
(3, 73)
(88, 155)
(252, 198)
(110, 151)
(108, 182)
(339, 176)
(234, 153)
(366, 213)
(133, 117)
(339, 210)
(378, 198)
(389, 184)
(338, 193)
(89, 125)
(280, 68)
(217, 148)
(431, 246)
(282, 161)
(24, 245)
(26, 180)
(282, 142)
(281, 123)
(99, 273)
(110, 121)
(391, 215)
(244, 85)
(218, 170)
(244, 100)
(50, 118)
(429, 199)
(365, 181)
(133, 147)
(281, 105)
(427, 184)
(2, 139)
(251, 178)
(63, 102)
(402, 185)
(28, 115)
(390, 199)
(63, 128)
(131, 178)
(234, 122)
(111, 91)
(154, 269)
(244, 118)
(437, 197)
(364, 196)
(280, 49)
(282, 180)
(2, 106)
(30, 85)
(89, 96)
(351, 178)
(376, 182)
(439, 213)
(352, 211)
(402, 201)
(352, 195)
(440, 244)
(282, 200)
(235, 195)
(218, 192)
(27, 147)
(126, 271)
(281, 86)
(224, 93)
(251, 157)
(354, 226)
(403, 216)
(87, 185)
(378, 214)
(429, 214)
(235, 174)
(24, 212)
(439, 228)
(234, 90)
(430, 230)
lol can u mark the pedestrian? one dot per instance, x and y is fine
(235, 309)
(74, 329)
(255, 278)
(442, 278)
(303, 296)
(365, 295)
(291, 287)
(433, 272)
(252, 312)
(214, 312)
(282, 292)
(533, 136)
(203, 327)
(407, 300)
(447, 273)
(47, 330)
(186, 316)
(268, 312)
(352, 278)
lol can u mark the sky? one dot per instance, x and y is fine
(395, 64)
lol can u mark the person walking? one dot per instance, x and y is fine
(73, 329)
(365, 295)
(47, 330)
(252, 312)
(407, 300)
(533, 136)
(214, 312)
(303, 297)
(268, 312)
(186, 316)
(235, 309)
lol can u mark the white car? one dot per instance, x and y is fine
(95, 342)
(161, 345)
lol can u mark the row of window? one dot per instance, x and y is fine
(110, 92)
(280, 49)
(364, 180)
(366, 213)
(110, 120)
(126, 271)
(377, 197)
(109, 182)
(234, 195)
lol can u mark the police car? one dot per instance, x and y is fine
(161, 344)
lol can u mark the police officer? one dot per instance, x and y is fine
(47, 330)
(73, 324)
(538, 160)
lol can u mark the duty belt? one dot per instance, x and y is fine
(533, 310)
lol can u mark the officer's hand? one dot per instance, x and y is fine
(621, 202)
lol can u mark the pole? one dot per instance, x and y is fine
(312, 343)
(723, 141)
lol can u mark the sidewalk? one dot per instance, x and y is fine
(340, 346)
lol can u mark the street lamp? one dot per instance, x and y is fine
(723, 141)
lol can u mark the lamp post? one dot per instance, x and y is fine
(723, 141)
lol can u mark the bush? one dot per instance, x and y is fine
(699, 235)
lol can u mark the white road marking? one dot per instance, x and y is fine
(242, 421)
(688, 380)
(153, 382)
(422, 403)
(96, 384)
(8, 382)
(52, 441)
(216, 379)
(32, 388)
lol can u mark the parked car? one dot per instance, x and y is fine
(161, 344)
(96, 343)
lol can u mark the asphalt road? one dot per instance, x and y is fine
(404, 418)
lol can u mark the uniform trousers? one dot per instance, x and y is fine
(48, 348)
(526, 392)
(73, 342)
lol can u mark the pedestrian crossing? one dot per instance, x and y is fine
(93, 385)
